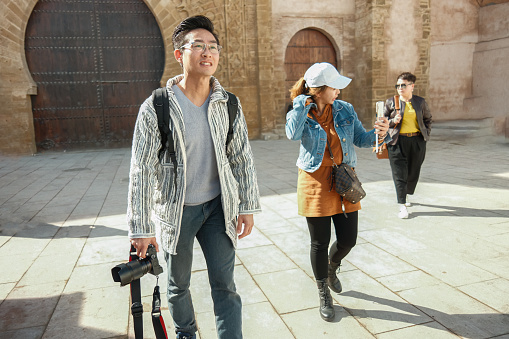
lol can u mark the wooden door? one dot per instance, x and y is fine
(306, 47)
(94, 63)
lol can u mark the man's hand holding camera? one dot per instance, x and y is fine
(141, 245)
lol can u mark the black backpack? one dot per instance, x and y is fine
(162, 106)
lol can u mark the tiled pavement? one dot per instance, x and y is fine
(442, 273)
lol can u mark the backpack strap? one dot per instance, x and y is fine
(162, 106)
(233, 106)
(160, 99)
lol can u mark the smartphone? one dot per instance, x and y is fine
(379, 109)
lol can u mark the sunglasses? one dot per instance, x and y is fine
(402, 86)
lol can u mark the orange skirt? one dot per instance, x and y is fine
(315, 197)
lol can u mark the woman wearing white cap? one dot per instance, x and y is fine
(318, 117)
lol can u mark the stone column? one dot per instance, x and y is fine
(392, 36)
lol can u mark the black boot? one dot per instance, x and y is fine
(332, 280)
(326, 305)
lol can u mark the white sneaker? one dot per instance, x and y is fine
(403, 212)
(408, 204)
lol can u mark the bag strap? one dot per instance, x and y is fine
(162, 106)
(334, 165)
(136, 306)
(396, 103)
(328, 145)
(232, 113)
(157, 318)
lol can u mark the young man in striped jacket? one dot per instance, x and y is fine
(215, 192)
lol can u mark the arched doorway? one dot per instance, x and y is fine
(304, 49)
(94, 63)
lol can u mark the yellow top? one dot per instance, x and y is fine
(409, 123)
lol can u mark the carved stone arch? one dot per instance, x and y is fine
(306, 47)
(163, 15)
(94, 63)
(322, 28)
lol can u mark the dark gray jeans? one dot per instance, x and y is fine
(206, 223)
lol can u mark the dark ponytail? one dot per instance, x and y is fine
(300, 88)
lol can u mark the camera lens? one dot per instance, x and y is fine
(125, 273)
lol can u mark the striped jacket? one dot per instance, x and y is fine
(154, 202)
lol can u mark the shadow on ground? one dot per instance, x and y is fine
(42, 231)
(466, 325)
(447, 211)
(29, 318)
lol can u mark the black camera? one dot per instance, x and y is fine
(135, 269)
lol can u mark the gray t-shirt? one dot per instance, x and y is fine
(202, 177)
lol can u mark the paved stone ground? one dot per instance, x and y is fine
(442, 273)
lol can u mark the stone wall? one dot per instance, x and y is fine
(362, 88)
(453, 37)
(490, 70)
(246, 66)
(457, 50)
(469, 53)
(391, 37)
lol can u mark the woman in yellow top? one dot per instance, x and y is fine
(409, 128)
(317, 117)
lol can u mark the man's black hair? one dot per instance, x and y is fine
(189, 24)
(408, 77)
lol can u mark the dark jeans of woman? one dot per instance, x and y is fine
(406, 158)
(320, 232)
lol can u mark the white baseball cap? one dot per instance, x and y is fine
(323, 73)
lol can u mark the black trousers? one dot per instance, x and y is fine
(406, 158)
(320, 232)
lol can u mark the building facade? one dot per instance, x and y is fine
(457, 49)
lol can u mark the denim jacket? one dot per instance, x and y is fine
(314, 138)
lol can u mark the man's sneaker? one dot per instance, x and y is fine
(185, 335)
(403, 212)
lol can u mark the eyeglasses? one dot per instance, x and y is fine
(198, 46)
(403, 86)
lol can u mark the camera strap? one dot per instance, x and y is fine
(157, 318)
(137, 307)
